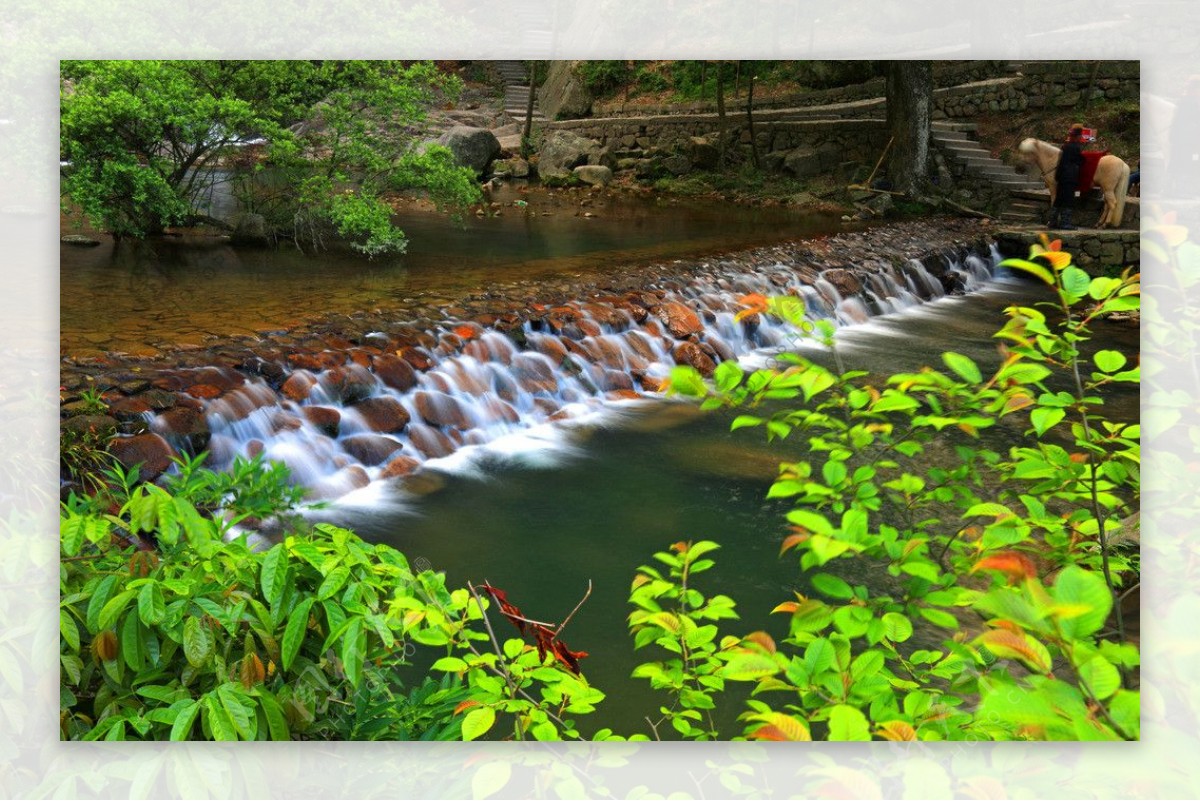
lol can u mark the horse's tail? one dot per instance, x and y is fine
(1122, 189)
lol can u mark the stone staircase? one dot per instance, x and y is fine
(1028, 198)
(516, 89)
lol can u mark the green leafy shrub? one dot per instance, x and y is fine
(1025, 577)
(602, 78)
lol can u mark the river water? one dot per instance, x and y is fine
(544, 509)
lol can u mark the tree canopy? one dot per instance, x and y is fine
(145, 143)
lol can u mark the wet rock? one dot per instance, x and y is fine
(692, 354)
(844, 281)
(680, 320)
(440, 409)
(370, 449)
(424, 482)
(125, 409)
(384, 414)
(79, 240)
(346, 480)
(399, 466)
(101, 424)
(534, 373)
(187, 423)
(431, 442)
(563, 151)
(299, 385)
(134, 386)
(349, 384)
(395, 372)
(150, 451)
(325, 419)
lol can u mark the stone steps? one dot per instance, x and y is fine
(516, 89)
(953, 139)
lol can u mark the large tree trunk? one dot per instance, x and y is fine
(909, 112)
(527, 134)
(720, 116)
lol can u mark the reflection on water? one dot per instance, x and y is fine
(180, 290)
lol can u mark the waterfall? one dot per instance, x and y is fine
(389, 407)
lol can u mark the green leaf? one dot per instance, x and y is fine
(492, 777)
(832, 586)
(273, 577)
(333, 582)
(197, 642)
(728, 375)
(1103, 286)
(276, 721)
(70, 533)
(113, 609)
(1075, 281)
(240, 709)
(1126, 709)
(819, 656)
(1085, 591)
(353, 651)
(834, 472)
(1031, 268)
(151, 606)
(477, 722)
(686, 380)
(816, 523)
(449, 664)
(1097, 673)
(749, 667)
(218, 720)
(182, 727)
(100, 597)
(131, 643)
(1043, 418)
(897, 627)
(68, 629)
(293, 634)
(963, 366)
(939, 618)
(744, 420)
(847, 723)
(1109, 361)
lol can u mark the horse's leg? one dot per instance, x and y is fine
(1110, 208)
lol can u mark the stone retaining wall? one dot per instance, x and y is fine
(1098, 252)
(945, 74)
(1042, 85)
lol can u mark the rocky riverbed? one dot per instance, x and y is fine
(391, 388)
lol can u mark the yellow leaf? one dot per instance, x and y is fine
(897, 730)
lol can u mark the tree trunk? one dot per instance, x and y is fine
(526, 144)
(909, 113)
(750, 118)
(720, 116)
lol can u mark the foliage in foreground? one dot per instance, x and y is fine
(1001, 620)
(146, 144)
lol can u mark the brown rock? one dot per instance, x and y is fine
(440, 409)
(693, 354)
(680, 320)
(101, 424)
(370, 449)
(326, 419)
(417, 358)
(383, 413)
(206, 391)
(395, 372)
(299, 385)
(430, 441)
(399, 466)
(158, 399)
(534, 374)
(148, 450)
(349, 384)
(185, 421)
(125, 409)
(844, 281)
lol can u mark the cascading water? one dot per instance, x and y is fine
(385, 409)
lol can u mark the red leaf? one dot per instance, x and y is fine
(465, 705)
(1015, 565)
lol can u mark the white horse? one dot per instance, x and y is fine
(1112, 176)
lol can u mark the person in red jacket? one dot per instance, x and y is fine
(1066, 179)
